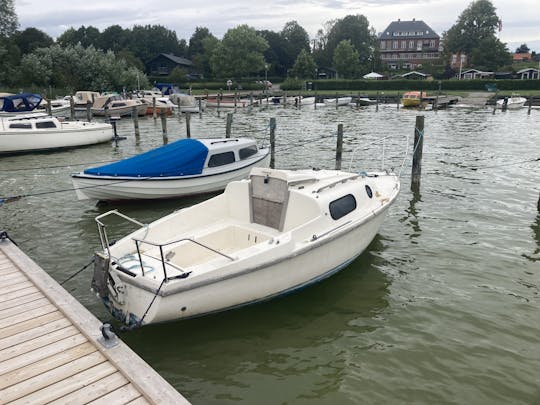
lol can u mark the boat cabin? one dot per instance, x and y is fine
(30, 122)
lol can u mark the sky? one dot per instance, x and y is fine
(521, 18)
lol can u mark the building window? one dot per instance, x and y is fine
(383, 44)
(432, 43)
(395, 45)
(411, 44)
(403, 44)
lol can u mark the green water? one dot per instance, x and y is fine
(443, 307)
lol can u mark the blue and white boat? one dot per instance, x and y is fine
(18, 104)
(182, 168)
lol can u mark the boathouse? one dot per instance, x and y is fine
(164, 63)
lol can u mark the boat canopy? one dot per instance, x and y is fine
(181, 158)
(20, 102)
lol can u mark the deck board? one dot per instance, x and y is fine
(49, 349)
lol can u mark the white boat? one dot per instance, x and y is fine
(181, 168)
(186, 103)
(116, 106)
(162, 104)
(341, 101)
(38, 131)
(227, 103)
(19, 104)
(511, 103)
(59, 107)
(82, 98)
(274, 233)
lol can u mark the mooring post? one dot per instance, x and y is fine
(250, 101)
(284, 99)
(163, 121)
(229, 125)
(135, 118)
(154, 111)
(200, 107)
(530, 105)
(188, 124)
(315, 102)
(49, 107)
(88, 111)
(71, 108)
(417, 151)
(339, 146)
(397, 102)
(495, 103)
(336, 101)
(377, 103)
(235, 102)
(505, 103)
(272, 142)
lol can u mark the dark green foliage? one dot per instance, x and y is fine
(30, 39)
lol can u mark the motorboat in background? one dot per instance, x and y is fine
(17, 104)
(114, 105)
(340, 101)
(273, 234)
(185, 167)
(227, 102)
(412, 98)
(82, 98)
(38, 131)
(186, 103)
(513, 102)
(58, 107)
(162, 104)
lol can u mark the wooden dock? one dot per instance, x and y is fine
(51, 350)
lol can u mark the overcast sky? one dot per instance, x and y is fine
(521, 18)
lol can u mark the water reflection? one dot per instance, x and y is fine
(411, 217)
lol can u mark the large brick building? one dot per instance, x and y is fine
(408, 44)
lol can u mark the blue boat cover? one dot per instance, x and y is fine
(20, 102)
(181, 158)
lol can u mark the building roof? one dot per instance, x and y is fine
(414, 73)
(407, 29)
(521, 56)
(177, 59)
(530, 69)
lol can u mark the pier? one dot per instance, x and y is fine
(52, 348)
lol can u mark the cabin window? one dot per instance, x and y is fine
(342, 206)
(244, 153)
(45, 124)
(369, 191)
(20, 125)
(220, 159)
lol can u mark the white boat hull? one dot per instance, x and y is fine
(129, 188)
(36, 140)
(513, 103)
(341, 101)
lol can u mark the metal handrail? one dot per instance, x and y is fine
(102, 227)
(161, 245)
(365, 147)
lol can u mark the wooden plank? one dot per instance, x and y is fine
(21, 300)
(19, 293)
(22, 308)
(139, 401)
(68, 385)
(54, 376)
(24, 316)
(46, 364)
(39, 354)
(12, 278)
(5, 289)
(7, 269)
(93, 391)
(37, 342)
(31, 323)
(120, 396)
(33, 333)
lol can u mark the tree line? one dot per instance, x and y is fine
(116, 57)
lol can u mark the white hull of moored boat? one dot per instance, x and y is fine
(269, 236)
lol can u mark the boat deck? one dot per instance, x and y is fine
(50, 349)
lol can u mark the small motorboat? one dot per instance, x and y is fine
(340, 101)
(514, 102)
(113, 105)
(38, 131)
(269, 235)
(186, 103)
(162, 104)
(19, 104)
(412, 98)
(58, 107)
(181, 168)
(227, 102)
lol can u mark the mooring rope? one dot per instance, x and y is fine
(78, 271)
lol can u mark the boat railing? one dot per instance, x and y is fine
(102, 228)
(382, 141)
(163, 256)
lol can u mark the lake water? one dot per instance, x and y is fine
(443, 307)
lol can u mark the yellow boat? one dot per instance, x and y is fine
(412, 98)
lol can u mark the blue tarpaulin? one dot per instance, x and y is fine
(181, 158)
(20, 102)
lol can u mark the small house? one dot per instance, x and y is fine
(164, 63)
(475, 74)
(414, 75)
(528, 73)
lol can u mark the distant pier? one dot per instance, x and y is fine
(52, 349)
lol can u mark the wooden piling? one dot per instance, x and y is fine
(377, 103)
(71, 108)
(272, 142)
(88, 111)
(229, 125)
(336, 101)
(154, 112)
(163, 121)
(135, 118)
(397, 101)
(505, 104)
(417, 151)
(315, 102)
(530, 105)
(200, 108)
(235, 102)
(495, 103)
(339, 146)
(49, 107)
(188, 124)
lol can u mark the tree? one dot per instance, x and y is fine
(346, 59)
(523, 48)
(239, 54)
(276, 53)
(304, 67)
(8, 18)
(497, 56)
(32, 38)
(114, 38)
(83, 35)
(197, 52)
(178, 75)
(295, 39)
(146, 42)
(210, 44)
